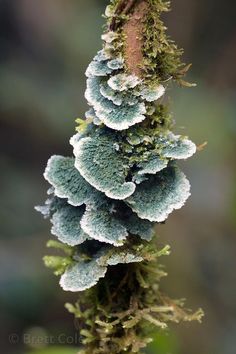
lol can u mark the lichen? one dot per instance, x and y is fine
(104, 227)
(120, 314)
(66, 225)
(68, 183)
(157, 197)
(104, 201)
(102, 166)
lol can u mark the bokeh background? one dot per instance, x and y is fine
(45, 47)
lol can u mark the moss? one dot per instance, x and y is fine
(138, 142)
(161, 56)
(119, 315)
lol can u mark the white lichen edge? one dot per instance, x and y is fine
(77, 269)
(152, 94)
(85, 275)
(122, 82)
(192, 148)
(123, 125)
(127, 188)
(57, 190)
(98, 235)
(185, 190)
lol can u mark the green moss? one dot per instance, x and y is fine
(121, 312)
(161, 56)
(139, 141)
(59, 263)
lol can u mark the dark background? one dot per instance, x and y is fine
(45, 47)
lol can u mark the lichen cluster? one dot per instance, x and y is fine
(123, 178)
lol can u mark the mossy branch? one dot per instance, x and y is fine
(104, 202)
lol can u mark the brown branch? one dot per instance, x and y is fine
(133, 31)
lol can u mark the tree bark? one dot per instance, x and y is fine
(133, 31)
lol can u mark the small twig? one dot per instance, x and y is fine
(118, 11)
(129, 6)
(122, 283)
(202, 146)
(123, 7)
(122, 4)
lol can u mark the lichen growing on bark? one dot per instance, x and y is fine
(123, 178)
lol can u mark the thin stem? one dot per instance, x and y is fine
(123, 7)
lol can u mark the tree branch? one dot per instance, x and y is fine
(133, 31)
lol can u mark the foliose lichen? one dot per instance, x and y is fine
(123, 178)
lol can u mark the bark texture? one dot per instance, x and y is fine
(133, 31)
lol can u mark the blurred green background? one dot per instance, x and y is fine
(45, 48)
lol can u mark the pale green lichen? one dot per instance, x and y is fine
(116, 111)
(102, 166)
(157, 197)
(104, 201)
(66, 225)
(103, 226)
(68, 182)
(86, 273)
(82, 275)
